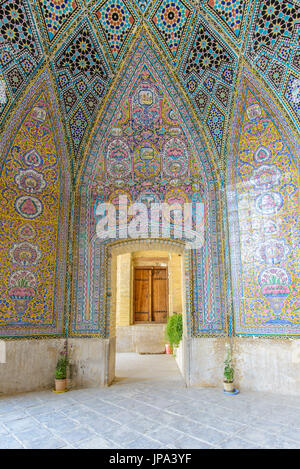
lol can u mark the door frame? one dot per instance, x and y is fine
(111, 251)
(151, 291)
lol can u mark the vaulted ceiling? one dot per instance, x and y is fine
(84, 45)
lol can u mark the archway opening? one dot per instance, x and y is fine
(147, 150)
(148, 281)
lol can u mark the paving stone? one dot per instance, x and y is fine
(47, 443)
(291, 433)
(3, 430)
(144, 443)
(281, 443)
(6, 406)
(39, 409)
(9, 442)
(82, 417)
(123, 435)
(224, 425)
(108, 411)
(57, 422)
(165, 434)
(170, 419)
(207, 434)
(15, 414)
(264, 439)
(95, 443)
(238, 443)
(181, 409)
(77, 435)
(124, 417)
(104, 425)
(184, 424)
(36, 433)
(142, 424)
(187, 442)
(21, 424)
(266, 425)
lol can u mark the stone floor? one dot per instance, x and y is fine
(149, 407)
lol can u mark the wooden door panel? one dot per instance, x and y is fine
(159, 296)
(142, 295)
(150, 295)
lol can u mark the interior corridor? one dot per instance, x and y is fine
(135, 367)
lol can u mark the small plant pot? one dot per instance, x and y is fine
(169, 349)
(60, 384)
(228, 387)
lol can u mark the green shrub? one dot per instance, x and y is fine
(61, 367)
(174, 329)
(228, 369)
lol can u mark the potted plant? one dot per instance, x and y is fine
(173, 332)
(228, 373)
(61, 372)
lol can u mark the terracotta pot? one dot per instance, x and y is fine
(60, 384)
(169, 350)
(228, 387)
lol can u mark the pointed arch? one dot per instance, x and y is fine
(89, 294)
(263, 194)
(34, 194)
(144, 50)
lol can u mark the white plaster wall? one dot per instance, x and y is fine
(111, 361)
(30, 365)
(203, 361)
(179, 357)
(141, 338)
(125, 339)
(92, 362)
(270, 365)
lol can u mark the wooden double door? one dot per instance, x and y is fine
(150, 294)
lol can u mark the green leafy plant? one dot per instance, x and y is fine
(61, 368)
(174, 329)
(228, 369)
(62, 364)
